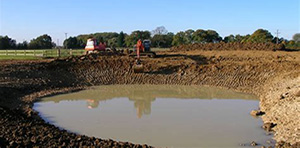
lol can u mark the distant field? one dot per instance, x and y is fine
(19, 58)
(38, 54)
(48, 53)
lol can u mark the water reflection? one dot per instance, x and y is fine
(92, 103)
(159, 115)
(144, 95)
(143, 107)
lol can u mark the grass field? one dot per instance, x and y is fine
(38, 54)
(19, 58)
(48, 53)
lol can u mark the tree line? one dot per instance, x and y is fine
(41, 42)
(159, 37)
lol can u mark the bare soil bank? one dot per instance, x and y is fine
(229, 46)
(273, 76)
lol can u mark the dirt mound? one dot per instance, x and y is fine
(91, 57)
(229, 46)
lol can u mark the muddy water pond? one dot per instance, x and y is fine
(158, 115)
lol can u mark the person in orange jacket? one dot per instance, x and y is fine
(140, 45)
(139, 48)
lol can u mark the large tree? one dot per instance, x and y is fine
(23, 45)
(7, 43)
(41, 42)
(71, 42)
(230, 38)
(179, 39)
(213, 36)
(121, 40)
(236, 38)
(199, 36)
(113, 42)
(261, 36)
(132, 39)
(105, 36)
(206, 36)
(296, 37)
(280, 40)
(242, 38)
(160, 31)
(162, 40)
(189, 36)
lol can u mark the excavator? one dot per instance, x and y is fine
(145, 49)
(142, 49)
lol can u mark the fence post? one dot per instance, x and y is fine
(15, 52)
(6, 52)
(70, 52)
(24, 52)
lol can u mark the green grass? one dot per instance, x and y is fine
(19, 58)
(48, 53)
(37, 54)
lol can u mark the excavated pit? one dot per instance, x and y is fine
(158, 115)
(273, 76)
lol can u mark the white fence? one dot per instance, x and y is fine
(42, 53)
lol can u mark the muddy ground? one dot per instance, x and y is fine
(274, 76)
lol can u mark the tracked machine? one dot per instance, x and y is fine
(144, 49)
(141, 49)
(91, 46)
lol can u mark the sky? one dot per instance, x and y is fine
(28, 19)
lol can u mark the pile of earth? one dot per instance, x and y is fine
(92, 56)
(229, 46)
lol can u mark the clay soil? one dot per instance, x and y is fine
(274, 76)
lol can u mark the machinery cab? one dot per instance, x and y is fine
(146, 52)
(147, 45)
(91, 45)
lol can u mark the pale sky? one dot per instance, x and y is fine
(27, 19)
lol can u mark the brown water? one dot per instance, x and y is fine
(158, 115)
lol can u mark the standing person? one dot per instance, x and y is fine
(138, 66)
(139, 45)
(139, 48)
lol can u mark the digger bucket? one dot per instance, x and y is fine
(138, 68)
